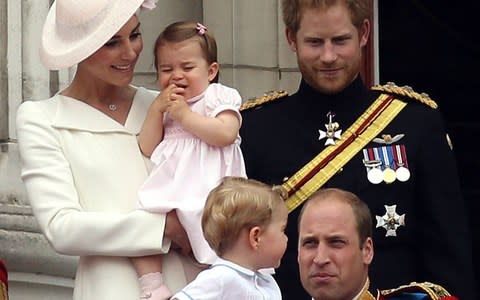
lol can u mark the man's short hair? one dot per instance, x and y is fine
(361, 212)
(292, 11)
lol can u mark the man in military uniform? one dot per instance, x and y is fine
(386, 144)
(335, 249)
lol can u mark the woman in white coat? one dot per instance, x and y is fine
(82, 165)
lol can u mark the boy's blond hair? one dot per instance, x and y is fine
(236, 204)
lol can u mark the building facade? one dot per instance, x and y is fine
(254, 58)
(430, 52)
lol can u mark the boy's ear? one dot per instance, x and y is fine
(254, 237)
(212, 71)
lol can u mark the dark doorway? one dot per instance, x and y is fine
(434, 47)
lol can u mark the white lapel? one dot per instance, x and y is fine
(77, 115)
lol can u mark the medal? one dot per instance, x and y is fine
(387, 163)
(403, 173)
(333, 132)
(375, 175)
(372, 164)
(390, 220)
(389, 174)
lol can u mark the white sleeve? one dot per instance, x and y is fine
(219, 98)
(54, 199)
(206, 286)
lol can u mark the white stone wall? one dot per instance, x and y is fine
(252, 51)
(254, 59)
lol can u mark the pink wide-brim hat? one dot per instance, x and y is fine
(75, 29)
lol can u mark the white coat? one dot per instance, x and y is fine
(82, 171)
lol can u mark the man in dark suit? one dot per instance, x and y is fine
(387, 145)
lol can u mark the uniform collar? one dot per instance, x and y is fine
(364, 294)
(346, 98)
(77, 115)
(346, 105)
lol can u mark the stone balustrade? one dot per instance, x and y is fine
(31, 262)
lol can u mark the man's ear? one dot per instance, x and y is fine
(364, 33)
(367, 251)
(254, 237)
(291, 39)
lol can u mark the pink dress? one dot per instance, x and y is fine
(187, 168)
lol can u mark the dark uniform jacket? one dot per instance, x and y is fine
(281, 136)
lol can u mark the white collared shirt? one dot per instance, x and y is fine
(227, 280)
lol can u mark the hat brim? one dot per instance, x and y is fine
(57, 53)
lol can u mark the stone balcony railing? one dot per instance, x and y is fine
(35, 270)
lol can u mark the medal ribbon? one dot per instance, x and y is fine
(377, 156)
(400, 156)
(387, 157)
(309, 178)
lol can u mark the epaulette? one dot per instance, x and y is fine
(434, 291)
(267, 97)
(407, 91)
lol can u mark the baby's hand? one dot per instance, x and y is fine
(178, 108)
(162, 102)
(165, 98)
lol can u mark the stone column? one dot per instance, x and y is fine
(35, 270)
(36, 79)
(3, 73)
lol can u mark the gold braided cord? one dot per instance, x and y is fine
(434, 291)
(332, 167)
(267, 97)
(407, 91)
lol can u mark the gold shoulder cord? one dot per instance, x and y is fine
(267, 97)
(392, 88)
(434, 291)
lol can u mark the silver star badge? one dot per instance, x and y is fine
(333, 132)
(390, 220)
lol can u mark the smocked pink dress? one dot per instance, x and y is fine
(187, 168)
